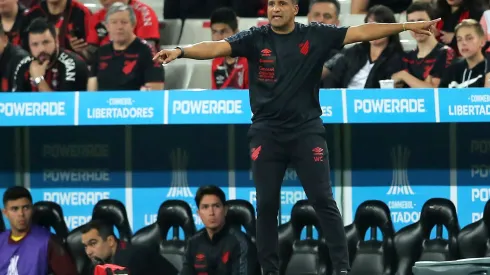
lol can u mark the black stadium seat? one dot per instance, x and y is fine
(173, 214)
(242, 213)
(474, 239)
(307, 256)
(50, 215)
(413, 242)
(114, 212)
(371, 256)
(77, 250)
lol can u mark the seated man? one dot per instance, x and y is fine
(50, 67)
(29, 249)
(217, 248)
(126, 63)
(227, 72)
(146, 26)
(102, 246)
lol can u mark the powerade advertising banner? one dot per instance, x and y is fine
(473, 157)
(7, 161)
(403, 165)
(76, 167)
(37, 109)
(392, 106)
(172, 162)
(291, 190)
(461, 105)
(121, 108)
(331, 103)
(216, 107)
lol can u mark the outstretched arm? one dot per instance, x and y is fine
(373, 31)
(200, 51)
(208, 50)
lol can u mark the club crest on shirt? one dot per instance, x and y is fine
(12, 269)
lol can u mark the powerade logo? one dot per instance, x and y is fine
(464, 105)
(390, 105)
(209, 107)
(36, 109)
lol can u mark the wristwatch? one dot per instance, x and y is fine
(37, 80)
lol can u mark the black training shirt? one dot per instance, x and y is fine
(229, 252)
(128, 70)
(459, 74)
(434, 64)
(285, 72)
(68, 74)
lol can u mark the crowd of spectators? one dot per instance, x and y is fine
(59, 45)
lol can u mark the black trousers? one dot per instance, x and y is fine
(309, 155)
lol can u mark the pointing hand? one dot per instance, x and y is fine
(422, 27)
(167, 56)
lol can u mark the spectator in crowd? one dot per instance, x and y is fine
(217, 248)
(29, 249)
(204, 8)
(472, 69)
(11, 17)
(485, 23)
(424, 66)
(326, 12)
(365, 64)
(146, 26)
(50, 67)
(103, 247)
(227, 72)
(126, 63)
(362, 6)
(452, 12)
(10, 56)
(71, 19)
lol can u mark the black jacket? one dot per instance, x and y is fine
(345, 65)
(229, 252)
(9, 59)
(138, 260)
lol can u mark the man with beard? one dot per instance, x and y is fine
(49, 68)
(10, 55)
(104, 248)
(28, 249)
